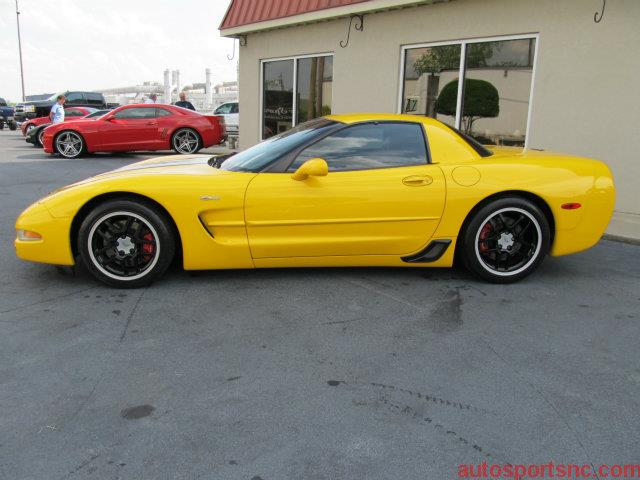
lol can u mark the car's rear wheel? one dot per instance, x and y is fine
(186, 141)
(39, 142)
(69, 144)
(126, 244)
(506, 240)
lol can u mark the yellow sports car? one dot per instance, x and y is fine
(342, 190)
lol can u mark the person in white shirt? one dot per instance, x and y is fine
(153, 98)
(56, 115)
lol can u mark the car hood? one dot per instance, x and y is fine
(170, 165)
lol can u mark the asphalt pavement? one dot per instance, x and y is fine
(307, 373)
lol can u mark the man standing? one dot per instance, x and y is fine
(184, 103)
(56, 115)
(152, 98)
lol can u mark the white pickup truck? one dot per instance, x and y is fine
(231, 116)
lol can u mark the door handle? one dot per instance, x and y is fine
(417, 180)
(151, 123)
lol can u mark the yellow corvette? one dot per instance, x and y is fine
(342, 190)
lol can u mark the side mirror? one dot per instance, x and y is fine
(314, 167)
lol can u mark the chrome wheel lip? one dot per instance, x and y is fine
(185, 141)
(41, 137)
(66, 145)
(29, 128)
(533, 258)
(109, 274)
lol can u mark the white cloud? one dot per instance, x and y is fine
(90, 44)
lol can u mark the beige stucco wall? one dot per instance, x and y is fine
(586, 93)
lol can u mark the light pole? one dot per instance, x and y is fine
(20, 51)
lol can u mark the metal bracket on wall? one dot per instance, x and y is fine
(358, 26)
(233, 55)
(242, 40)
(595, 15)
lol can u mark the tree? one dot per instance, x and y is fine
(481, 100)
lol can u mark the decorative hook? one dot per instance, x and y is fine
(595, 15)
(358, 26)
(233, 55)
(242, 40)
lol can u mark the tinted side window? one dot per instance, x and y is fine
(369, 146)
(94, 97)
(73, 112)
(234, 108)
(135, 113)
(226, 108)
(75, 97)
(161, 112)
(3, 102)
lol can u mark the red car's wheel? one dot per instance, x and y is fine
(186, 141)
(39, 142)
(30, 127)
(69, 144)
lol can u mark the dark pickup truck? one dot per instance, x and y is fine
(6, 115)
(41, 108)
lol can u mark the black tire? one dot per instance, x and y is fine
(13, 126)
(69, 143)
(126, 244)
(186, 141)
(505, 240)
(38, 141)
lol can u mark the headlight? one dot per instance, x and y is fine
(29, 108)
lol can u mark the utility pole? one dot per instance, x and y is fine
(20, 50)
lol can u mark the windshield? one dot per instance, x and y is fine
(256, 158)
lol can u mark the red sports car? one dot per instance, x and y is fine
(70, 114)
(136, 127)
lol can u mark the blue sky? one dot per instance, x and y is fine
(90, 44)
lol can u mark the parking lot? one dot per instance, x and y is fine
(307, 374)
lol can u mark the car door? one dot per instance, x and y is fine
(380, 197)
(131, 128)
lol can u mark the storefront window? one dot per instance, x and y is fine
(493, 104)
(309, 96)
(314, 85)
(426, 72)
(277, 97)
(497, 86)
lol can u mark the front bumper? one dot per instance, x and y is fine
(54, 247)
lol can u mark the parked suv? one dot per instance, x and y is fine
(6, 115)
(231, 116)
(41, 108)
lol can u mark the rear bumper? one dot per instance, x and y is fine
(597, 209)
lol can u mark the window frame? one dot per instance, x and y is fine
(461, 70)
(294, 105)
(292, 156)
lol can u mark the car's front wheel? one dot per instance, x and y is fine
(126, 244)
(186, 141)
(30, 127)
(506, 240)
(69, 144)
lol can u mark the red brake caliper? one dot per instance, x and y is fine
(148, 248)
(484, 234)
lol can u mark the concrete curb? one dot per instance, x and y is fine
(618, 238)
